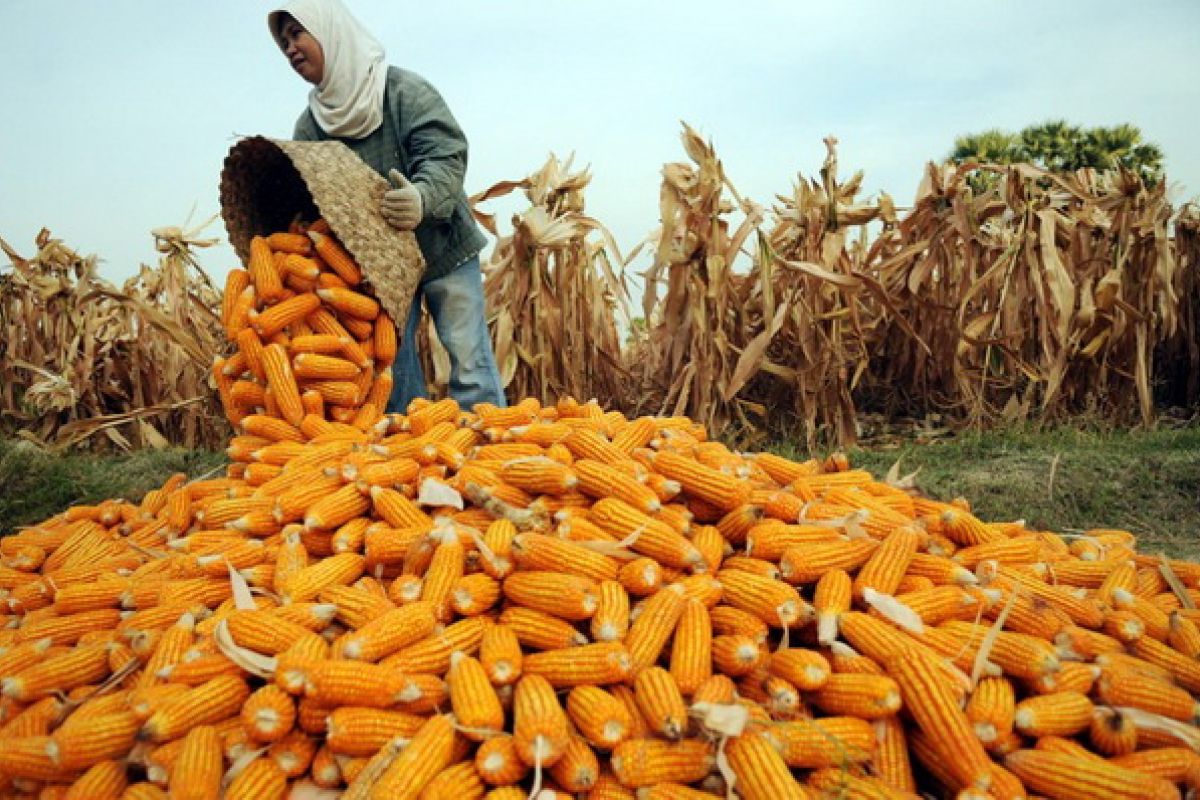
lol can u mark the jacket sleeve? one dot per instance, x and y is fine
(436, 148)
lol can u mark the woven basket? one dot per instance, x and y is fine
(267, 183)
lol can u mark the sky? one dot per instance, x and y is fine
(117, 115)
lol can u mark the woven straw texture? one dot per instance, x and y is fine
(267, 183)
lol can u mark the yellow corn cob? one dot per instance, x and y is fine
(641, 576)
(538, 475)
(659, 699)
(59, 673)
(602, 719)
(931, 701)
(262, 779)
(209, 703)
(774, 602)
(390, 632)
(293, 753)
(68, 629)
(808, 670)
(1120, 687)
(397, 510)
(236, 283)
(891, 762)
(473, 699)
(610, 622)
(649, 536)
(360, 731)
(691, 650)
(103, 593)
(717, 690)
(1018, 654)
(540, 729)
(831, 599)
(826, 742)
(282, 383)
(432, 655)
(1072, 676)
(556, 593)
(737, 654)
(724, 491)
(337, 508)
(1066, 776)
(540, 631)
(84, 742)
(268, 714)
(600, 480)
(727, 620)
(646, 762)
(350, 303)
(591, 444)
(30, 757)
(807, 563)
(648, 633)
(1173, 764)
(23, 655)
(336, 393)
(1112, 733)
(887, 565)
(457, 780)
(263, 273)
(861, 695)
(533, 551)
(756, 566)
(353, 683)
(1185, 671)
(326, 769)
(264, 631)
(497, 761)
(1058, 714)
(196, 773)
(500, 654)
(601, 663)
(760, 771)
(103, 781)
(991, 709)
(445, 568)
(318, 367)
(305, 584)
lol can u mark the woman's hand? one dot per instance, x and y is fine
(402, 206)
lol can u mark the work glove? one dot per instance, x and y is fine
(402, 206)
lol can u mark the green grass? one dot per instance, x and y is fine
(36, 485)
(1065, 480)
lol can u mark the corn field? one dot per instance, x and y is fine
(1004, 295)
(83, 361)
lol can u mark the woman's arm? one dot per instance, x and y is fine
(436, 148)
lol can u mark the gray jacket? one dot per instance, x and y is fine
(420, 137)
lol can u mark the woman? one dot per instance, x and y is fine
(400, 126)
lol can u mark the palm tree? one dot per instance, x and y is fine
(1059, 146)
(992, 146)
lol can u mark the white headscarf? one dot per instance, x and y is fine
(348, 102)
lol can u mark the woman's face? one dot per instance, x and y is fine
(303, 52)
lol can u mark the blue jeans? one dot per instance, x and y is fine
(455, 302)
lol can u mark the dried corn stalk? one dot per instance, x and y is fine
(821, 311)
(1178, 364)
(82, 357)
(1041, 297)
(686, 361)
(553, 287)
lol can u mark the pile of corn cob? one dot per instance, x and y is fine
(558, 602)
